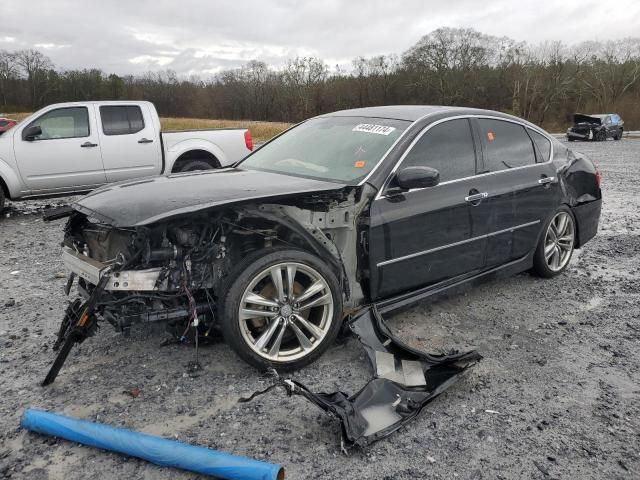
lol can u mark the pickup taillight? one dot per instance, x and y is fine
(598, 178)
(248, 141)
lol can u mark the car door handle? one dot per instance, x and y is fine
(89, 145)
(546, 180)
(476, 196)
(145, 140)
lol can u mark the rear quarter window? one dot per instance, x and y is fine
(543, 146)
(506, 145)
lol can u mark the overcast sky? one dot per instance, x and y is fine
(203, 37)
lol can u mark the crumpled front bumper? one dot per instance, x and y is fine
(580, 136)
(150, 279)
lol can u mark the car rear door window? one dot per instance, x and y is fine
(447, 147)
(121, 119)
(506, 145)
(71, 122)
(543, 144)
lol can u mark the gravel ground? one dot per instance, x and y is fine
(556, 396)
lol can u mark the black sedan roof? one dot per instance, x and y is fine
(412, 113)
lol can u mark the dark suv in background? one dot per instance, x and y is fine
(596, 127)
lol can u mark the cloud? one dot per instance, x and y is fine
(50, 46)
(203, 37)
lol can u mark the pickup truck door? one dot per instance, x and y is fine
(66, 156)
(129, 141)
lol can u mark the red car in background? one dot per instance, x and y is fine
(6, 124)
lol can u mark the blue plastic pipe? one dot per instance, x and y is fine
(163, 452)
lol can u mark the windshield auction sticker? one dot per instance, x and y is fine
(371, 128)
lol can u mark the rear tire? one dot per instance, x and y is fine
(302, 303)
(195, 165)
(556, 244)
(1, 199)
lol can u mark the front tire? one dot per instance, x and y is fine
(556, 244)
(1, 199)
(282, 309)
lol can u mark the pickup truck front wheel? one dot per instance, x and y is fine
(1, 199)
(193, 165)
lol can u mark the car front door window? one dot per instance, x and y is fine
(446, 147)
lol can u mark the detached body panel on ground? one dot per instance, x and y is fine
(76, 147)
(384, 205)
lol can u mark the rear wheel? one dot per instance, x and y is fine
(556, 244)
(1, 199)
(194, 165)
(283, 309)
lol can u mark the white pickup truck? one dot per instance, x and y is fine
(73, 148)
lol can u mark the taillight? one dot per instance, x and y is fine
(598, 178)
(248, 141)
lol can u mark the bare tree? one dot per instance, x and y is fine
(35, 66)
(305, 77)
(8, 72)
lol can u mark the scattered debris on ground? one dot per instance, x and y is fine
(567, 396)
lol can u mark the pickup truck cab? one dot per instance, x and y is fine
(73, 148)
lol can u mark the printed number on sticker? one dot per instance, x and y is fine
(371, 128)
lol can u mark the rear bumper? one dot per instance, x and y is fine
(587, 217)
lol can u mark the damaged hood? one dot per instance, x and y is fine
(148, 200)
(581, 118)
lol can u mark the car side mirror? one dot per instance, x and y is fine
(417, 177)
(30, 133)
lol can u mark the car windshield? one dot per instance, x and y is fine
(340, 149)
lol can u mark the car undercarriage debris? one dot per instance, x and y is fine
(405, 381)
(78, 324)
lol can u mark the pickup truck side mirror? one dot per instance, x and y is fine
(30, 133)
(417, 177)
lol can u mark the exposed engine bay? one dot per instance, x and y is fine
(177, 270)
(173, 269)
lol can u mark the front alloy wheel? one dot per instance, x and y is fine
(282, 308)
(286, 311)
(556, 245)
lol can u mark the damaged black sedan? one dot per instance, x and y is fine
(382, 205)
(596, 127)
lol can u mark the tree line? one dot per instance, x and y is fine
(543, 83)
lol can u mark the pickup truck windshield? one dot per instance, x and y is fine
(341, 149)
